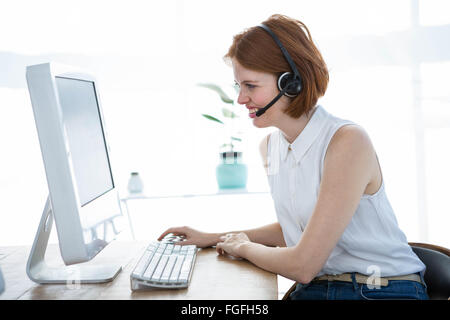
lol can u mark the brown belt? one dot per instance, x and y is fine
(371, 280)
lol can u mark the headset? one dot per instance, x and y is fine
(289, 83)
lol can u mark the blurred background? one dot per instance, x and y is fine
(389, 65)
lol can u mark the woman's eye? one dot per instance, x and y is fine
(250, 86)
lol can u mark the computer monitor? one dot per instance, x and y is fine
(83, 198)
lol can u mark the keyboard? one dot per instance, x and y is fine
(164, 264)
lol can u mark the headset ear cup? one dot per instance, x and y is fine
(293, 85)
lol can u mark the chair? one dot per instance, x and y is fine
(437, 274)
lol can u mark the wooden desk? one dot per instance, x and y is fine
(214, 277)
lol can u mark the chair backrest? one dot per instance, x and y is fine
(437, 273)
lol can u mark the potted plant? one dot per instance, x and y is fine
(231, 172)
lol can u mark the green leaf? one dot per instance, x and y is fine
(207, 116)
(225, 98)
(228, 113)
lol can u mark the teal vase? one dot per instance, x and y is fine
(231, 173)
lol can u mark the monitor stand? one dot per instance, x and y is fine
(40, 272)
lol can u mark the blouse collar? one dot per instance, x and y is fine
(306, 138)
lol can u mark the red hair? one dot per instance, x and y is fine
(255, 49)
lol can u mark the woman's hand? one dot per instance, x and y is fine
(192, 236)
(232, 243)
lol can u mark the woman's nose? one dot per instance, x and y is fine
(242, 97)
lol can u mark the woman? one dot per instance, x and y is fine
(336, 235)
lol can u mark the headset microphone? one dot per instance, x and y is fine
(289, 83)
(261, 111)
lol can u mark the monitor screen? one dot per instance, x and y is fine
(85, 136)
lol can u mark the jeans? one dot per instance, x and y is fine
(340, 290)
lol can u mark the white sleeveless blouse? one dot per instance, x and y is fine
(372, 241)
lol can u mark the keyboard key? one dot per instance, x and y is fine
(185, 269)
(176, 269)
(140, 267)
(169, 267)
(187, 264)
(152, 265)
(168, 250)
(176, 249)
(161, 248)
(160, 268)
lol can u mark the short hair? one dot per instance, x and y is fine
(255, 49)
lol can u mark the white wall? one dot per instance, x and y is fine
(388, 61)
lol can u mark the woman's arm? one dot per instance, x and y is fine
(348, 169)
(268, 235)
